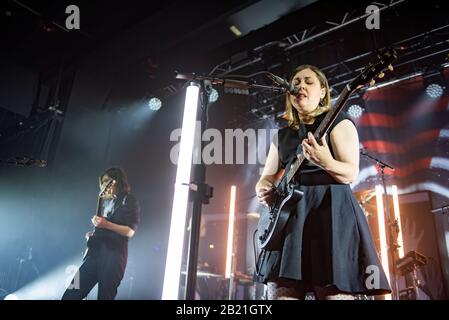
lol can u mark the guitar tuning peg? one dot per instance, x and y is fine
(390, 67)
(372, 82)
(381, 75)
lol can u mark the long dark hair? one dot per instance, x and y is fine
(119, 175)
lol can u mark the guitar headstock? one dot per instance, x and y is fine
(107, 187)
(375, 69)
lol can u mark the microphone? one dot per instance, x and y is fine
(290, 87)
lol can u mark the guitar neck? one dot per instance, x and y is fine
(321, 130)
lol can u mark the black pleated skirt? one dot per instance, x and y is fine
(327, 242)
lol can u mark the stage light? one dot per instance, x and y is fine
(49, 286)
(155, 104)
(213, 96)
(355, 111)
(230, 245)
(434, 90)
(235, 31)
(181, 196)
(382, 235)
(397, 215)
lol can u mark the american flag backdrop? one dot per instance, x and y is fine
(404, 127)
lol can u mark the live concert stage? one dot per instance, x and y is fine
(224, 150)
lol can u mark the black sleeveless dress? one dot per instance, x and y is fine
(328, 241)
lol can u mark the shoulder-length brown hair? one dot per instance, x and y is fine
(291, 114)
(119, 175)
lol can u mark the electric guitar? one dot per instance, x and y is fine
(286, 195)
(102, 193)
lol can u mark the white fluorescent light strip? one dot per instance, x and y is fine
(230, 233)
(181, 195)
(397, 215)
(382, 235)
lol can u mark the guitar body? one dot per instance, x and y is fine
(273, 220)
(89, 245)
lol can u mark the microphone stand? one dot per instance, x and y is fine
(228, 83)
(443, 210)
(200, 192)
(393, 225)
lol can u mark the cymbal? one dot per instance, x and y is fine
(203, 274)
(243, 278)
(253, 215)
(365, 195)
(208, 275)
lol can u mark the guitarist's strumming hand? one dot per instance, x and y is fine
(319, 154)
(265, 195)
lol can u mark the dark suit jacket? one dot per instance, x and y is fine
(126, 212)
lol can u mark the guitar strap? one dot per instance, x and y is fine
(302, 134)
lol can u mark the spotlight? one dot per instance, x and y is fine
(155, 104)
(434, 90)
(213, 96)
(355, 111)
(235, 31)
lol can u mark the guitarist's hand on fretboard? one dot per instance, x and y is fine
(315, 152)
(100, 222)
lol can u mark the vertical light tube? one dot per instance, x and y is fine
(397, 216)
(181, 195)
(229, 253)
(382, 235)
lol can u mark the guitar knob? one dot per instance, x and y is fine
(390, 67)
(381, 75)
(372, 82)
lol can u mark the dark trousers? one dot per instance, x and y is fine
(103, 266)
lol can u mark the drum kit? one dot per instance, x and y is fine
(364, 198)
(213, 286)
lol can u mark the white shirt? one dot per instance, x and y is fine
(108, 207)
